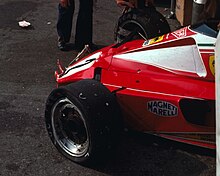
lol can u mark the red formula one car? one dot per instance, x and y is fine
(164, 86)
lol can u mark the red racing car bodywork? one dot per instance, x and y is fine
(165, 86)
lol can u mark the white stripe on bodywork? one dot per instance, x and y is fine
(217, 90)
(85, 65)
(206, 52)
(181, 58)
(204, 39)
(151, 92)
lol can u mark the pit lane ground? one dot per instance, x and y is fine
(27, 63)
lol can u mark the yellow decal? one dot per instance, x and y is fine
(156, 40)
(212, 64)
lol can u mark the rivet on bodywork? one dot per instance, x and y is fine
(81, 96)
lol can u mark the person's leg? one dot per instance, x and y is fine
(217, 12)
(84, 25)
(64, 23)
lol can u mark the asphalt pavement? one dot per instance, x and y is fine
(27, 64)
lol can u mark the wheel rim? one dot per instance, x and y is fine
(69, 128)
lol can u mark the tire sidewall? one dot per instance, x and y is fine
(54, 97)
(103, 125)
(151, 21)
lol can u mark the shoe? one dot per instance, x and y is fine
(61, 45)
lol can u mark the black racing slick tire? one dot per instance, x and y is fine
(83, 121)
(147, 21)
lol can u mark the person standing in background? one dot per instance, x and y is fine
(84, 24)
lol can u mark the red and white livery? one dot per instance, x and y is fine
(164, 86)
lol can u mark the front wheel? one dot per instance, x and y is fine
(83, 121)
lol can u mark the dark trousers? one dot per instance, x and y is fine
(83, 25)
(217, 14)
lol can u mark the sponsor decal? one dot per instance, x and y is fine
(162, 108)
(212, 64)
(156, 40)
(153, 40)
(179, 33)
